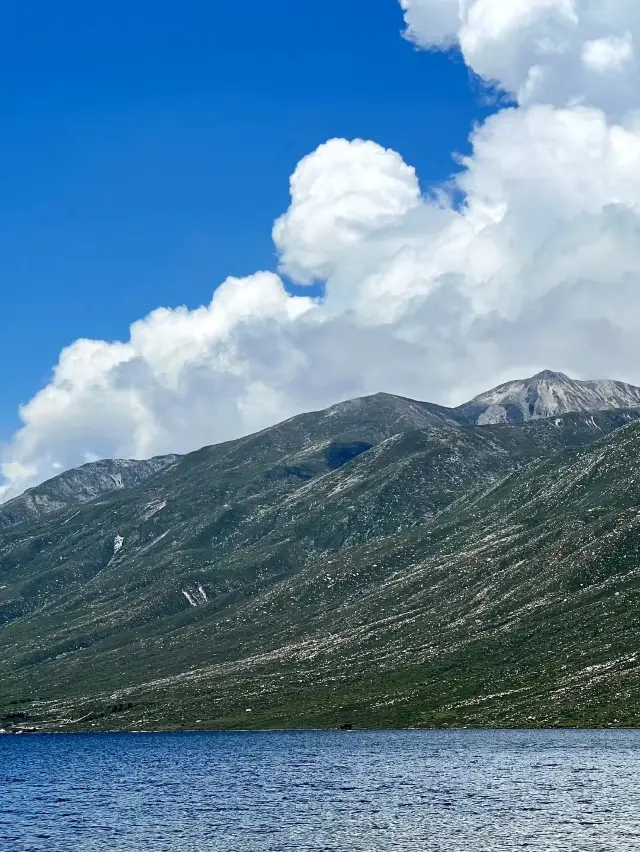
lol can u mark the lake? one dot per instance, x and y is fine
(269, 792)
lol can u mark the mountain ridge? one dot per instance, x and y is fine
(512, 402)
(547, 394)
(79, 485)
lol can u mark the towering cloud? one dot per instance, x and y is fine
(561, 52)
(539, 266)
(341, 195)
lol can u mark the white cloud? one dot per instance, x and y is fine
(539, 268)
(546, 51)
(183, 379)
(340, 194)
(608, 54)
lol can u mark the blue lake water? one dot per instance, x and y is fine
(452, 791)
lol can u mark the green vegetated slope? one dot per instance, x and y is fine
(380, 563)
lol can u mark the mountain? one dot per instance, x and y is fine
(547, 394)
(382, 562)
(80, 485)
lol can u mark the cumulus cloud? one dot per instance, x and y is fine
(559, 52)
(422, 295)
(341, 194)
(182, 377)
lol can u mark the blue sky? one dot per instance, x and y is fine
(147, 149)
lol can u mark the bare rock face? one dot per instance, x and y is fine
(78, 486)
(548, 394)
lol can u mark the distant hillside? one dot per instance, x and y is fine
(80, 485)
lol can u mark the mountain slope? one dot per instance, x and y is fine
(80, 485)
(377, 562)
(373, 418)
(547, 394)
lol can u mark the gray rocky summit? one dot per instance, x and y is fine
(548, 394)
(79, 485)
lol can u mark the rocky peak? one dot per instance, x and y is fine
(80, 485)
(548, 394)
(550, 376)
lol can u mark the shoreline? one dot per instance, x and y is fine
(161, 732)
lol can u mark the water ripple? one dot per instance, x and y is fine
(467, 791)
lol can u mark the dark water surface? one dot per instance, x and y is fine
(452, 791)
